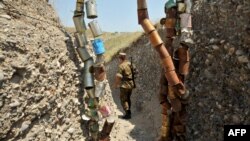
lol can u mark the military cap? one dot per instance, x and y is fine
(122, 54)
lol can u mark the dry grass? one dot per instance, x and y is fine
(114, 42)
(119, 41)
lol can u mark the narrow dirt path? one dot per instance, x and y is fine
(145, 122)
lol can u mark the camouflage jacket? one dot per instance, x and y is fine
(124, 71)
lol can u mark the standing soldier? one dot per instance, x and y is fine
(124, 80)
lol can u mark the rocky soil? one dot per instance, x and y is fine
(219, 80)
(40, 75)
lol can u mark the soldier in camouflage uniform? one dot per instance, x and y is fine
(125, 82)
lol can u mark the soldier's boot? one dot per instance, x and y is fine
(165, 128)
(127, 115)
(106, 130)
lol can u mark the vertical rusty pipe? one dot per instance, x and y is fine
(161, 49)
(142, 10)
(183, 53)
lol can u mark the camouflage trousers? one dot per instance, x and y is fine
(125, 95)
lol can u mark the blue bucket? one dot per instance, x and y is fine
(98, 46)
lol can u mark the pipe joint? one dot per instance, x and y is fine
(168, 64)
(142, 14)
(147, 26)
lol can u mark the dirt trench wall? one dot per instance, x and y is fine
(40, 89)
(219, 79)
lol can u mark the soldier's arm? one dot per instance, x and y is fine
(118, 78)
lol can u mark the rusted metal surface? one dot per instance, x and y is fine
(100, 72)
(170, 32)
(184, 60)
(170, 22)
(148, 26)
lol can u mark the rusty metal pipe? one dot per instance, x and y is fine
(106, 130)
(142, 10)
(170, 22)
(184, 59)
(155, 38)
(161, 49)
(147, 26)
